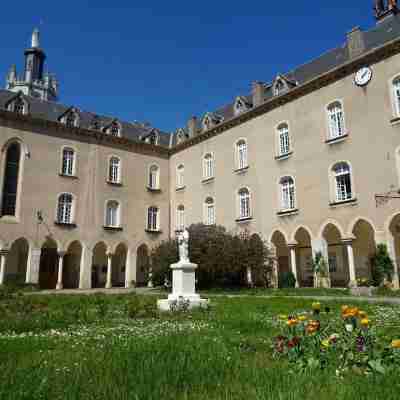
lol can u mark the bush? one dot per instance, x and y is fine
(222, 257)
(287, 280)
(381, 265)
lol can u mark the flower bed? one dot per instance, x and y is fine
(320, 339)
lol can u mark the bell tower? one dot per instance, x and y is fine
(33, 81)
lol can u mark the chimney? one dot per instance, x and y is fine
(355, 42)
(258, 93)
(192, 127)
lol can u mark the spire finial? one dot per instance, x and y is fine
(35, 38)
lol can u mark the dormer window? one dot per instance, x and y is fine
(70, 119)
(279, 88)
(153, 138)
(206, 124)
(114, 129)
(18, 106)
(241, 105)
(180, 137)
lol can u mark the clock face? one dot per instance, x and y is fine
(363, 76)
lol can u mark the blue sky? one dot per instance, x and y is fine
(163, 62)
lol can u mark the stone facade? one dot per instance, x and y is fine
(314, 166)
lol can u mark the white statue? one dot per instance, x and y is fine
(183, 244)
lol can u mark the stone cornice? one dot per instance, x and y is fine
(27, 122)
(372, 57)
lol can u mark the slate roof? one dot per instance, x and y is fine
(52, 111)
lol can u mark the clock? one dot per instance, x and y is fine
(363, 76)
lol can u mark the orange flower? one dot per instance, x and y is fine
(350, 312)
(292, 322)
(396, 344)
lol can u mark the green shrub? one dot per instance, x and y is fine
(381, 265)
(287, 280)
(223, 258)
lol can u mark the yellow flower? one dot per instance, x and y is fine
(362, 314)
(316, 306)
(365, 322)
(396, 344)
(302, 318)
(344, 308)
(325, 343)
(283, 317)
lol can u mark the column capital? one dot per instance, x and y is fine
(4, 252)
(109, 254)
(348, 240)
(292, 245)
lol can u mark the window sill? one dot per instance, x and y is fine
(283, 156)
(180, 189)
(337, 140)
(395, 121)
(113, 228)
(345, 202)
(152, 231)
(9, 219)
(287, 213)
(208, 180)
(68, 176)
(118, 184)
(153, 190)
(65, 225)
(244, 220)
(241, 170)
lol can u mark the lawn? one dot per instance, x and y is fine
(115, 347)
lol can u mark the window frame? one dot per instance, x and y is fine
(74, 161)
(249, 215)
(287, 186)
(208, 168)
(206, 214)
(278, 129)
(395, 99)
(335, 198)
(180, 220)
(72, 210)
(118, 215)
(180, 176)
(158, 219)
(330, 136)
(238, 165)
(157, 177)
(109, 174)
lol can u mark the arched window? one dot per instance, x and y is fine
(68, 162)
(209, 211)
(283, 140)
(396, 95)
(180, 176)
(288, 194)
(241, 154)
(65, 208)
(180, 218)
(114, 129)
(113, 214)
(154, 177)
(342, 182)
(114, 173)
(153, 219)
(208, 166)
(244, 203)
(11, 177)
(336, 120)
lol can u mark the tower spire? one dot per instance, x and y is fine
(35, 38)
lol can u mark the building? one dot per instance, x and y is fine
(310, 162)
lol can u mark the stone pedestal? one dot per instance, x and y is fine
(183, 288)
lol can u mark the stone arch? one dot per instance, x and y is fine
(354, 222)
(72, 265)
(48, 269)
(99, 265)
(305, 275)
(282, 253)
(17, 261)
(334, 223)
(393, 229)
(336, 254)
(364, 246)
(142, 264)
(119, 265)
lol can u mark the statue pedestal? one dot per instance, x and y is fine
(183, 289)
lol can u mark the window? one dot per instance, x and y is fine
(208, 166)
(180, 179)
(11, 177)
(207, 123)
(114, 129)
(113, 214)
(18, 105)
(280, 87)
(180, 218)
(68, 162)
(153, 138)
(64, 209)
(241, 153)
(152, 219)
(244, 203)
(70, 119)
(154, 177)
(336, 120)
(283, 139)
(342, 176)
(114, 174)
(396, 95)
(209, 211)
(288, 194)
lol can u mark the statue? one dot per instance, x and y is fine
(379, 7)
(392, 4)
(183, 244)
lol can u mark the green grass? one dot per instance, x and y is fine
(85, 347)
